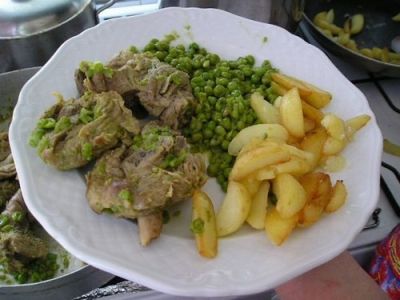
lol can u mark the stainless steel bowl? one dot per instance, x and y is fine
(67, 286)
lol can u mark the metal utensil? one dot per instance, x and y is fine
(32, 30)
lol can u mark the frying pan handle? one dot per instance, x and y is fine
(105, 6)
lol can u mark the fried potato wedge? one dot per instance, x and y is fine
(339, 195)
(277, 228)
(258, 209)
(333, 163)
(314, 142)
(311, 112)
(334, 126)
(354, 24)
(234, 209)
(309, 125)
(318, 98)
(333, 146)
(288, 83)
(313, 95)
(259, 131)
(251, 183)
(318, 189)
(278, 89)
(354, 124)
(258, 158)
(203, 216)
(295, 166)
(265, 111)
(290, 195)
(291, 113)
(265, 174)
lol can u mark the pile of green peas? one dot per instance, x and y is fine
(222, 89)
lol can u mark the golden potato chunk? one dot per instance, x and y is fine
(256, 217)
(339, 195)
(277, 228)
(234, 209)
(318, 189)
(258, 158)
(204, 225)
(290, 195)
(291, 112)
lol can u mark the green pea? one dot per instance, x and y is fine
(212, 100)
(255, 78)
(222, 81)
(241, 125)
(161, 55)
(219, 90)
(225, 145)
(162, 45)
(236, 93)
(208, 90)
(220, 130)
(214, 58)
(22, 277)
(247, 71)
(227, 172)
(250, 60)
(214, 142)
(226, 123)
(197, 137)
(194, 46)
(211, 125)
(208, 133)
(212, 170)
(266, 79)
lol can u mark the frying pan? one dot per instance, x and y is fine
(379, 30)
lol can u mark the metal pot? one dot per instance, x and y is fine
(284, 13)
(84, 278)
(32, 30)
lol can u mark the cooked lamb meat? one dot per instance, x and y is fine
(7, 189)
(140, 181)
(7, 167)
(18, 244)
(73, 132)
(164, 91)
(150, 227)
(5, 150)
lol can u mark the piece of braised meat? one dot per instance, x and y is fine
(73, 132)
(164, 91)
(18, 244)
(7, 167)
(140, 181)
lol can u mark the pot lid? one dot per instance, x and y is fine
(21, 18)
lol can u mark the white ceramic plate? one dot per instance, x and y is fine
(247, 261)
